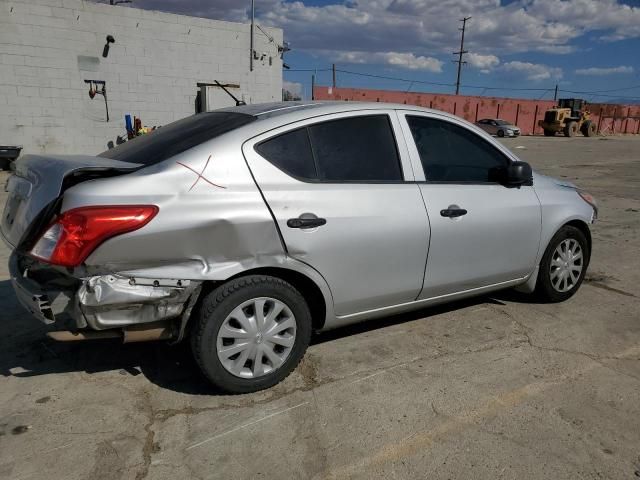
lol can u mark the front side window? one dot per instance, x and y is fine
(450, 153)
(355, 149)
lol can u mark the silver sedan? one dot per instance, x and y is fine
(246, 229)
(499, 127)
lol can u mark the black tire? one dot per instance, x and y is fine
(215, 308)
(570, 129)
(5, 164)
(544, 287)
(501, 133)
(588, 128)
(549, 133)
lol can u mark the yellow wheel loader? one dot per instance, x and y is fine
(570, 116)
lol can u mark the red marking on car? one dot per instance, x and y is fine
(201, 174)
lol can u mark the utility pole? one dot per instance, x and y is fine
(333, 68)
(461, 52)
(555, 95)
(253, 13)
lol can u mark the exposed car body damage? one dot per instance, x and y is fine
(101, 302)
(114, 301)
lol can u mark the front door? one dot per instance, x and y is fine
(482, 232)
(339, 190)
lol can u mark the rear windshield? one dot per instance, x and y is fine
(176, 137)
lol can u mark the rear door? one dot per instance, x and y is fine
(482, 232)
(339, 188)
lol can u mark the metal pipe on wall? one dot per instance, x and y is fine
(253, 13)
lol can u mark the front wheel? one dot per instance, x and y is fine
(251, 333)
(570, 129)
(549, 133)
(501, 133)
(564, 265)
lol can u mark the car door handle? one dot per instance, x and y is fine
(309, 222)
(453, 212)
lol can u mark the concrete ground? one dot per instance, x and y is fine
(491, 388)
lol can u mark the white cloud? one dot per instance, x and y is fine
(231, 10)
(483, 62)
(604, 71)
(429, 28)
(396, 59)
(293, 87)
(532, 71)
(621, 20)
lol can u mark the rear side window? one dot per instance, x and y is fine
(354, 149)
(177, 137)
(450, 153)
(291, 152)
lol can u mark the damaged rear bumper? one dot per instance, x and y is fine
(112, 301)
(48, 305)
(100, 302)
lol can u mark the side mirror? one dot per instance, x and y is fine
(518, 173)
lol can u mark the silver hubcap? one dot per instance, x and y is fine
(566, 265)
(256, 338)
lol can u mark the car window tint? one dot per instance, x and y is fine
(290, 152)
(356, 149)
(450, 153)
(177, 137)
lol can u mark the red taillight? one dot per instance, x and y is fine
(76, 233)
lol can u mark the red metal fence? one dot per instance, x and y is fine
(609, 118)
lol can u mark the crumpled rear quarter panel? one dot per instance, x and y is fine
(212, 221)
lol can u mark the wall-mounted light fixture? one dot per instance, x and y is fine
(105, 50)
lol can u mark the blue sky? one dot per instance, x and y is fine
(581, 45)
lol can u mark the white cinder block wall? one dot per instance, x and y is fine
(49, 47)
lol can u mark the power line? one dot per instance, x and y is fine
(507, 88)
(612, 90)
(483, 87)
(398, 79)
(543, 94)
(601, 95)
(409, 80)
(308, 70)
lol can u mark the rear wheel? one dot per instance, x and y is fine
(588, 129)
(549, 133)
(570, 129)
(563, 265)
(251, 333)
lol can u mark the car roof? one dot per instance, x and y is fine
(279, 109)
(272, 115)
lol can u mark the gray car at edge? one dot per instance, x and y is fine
(248, 228)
